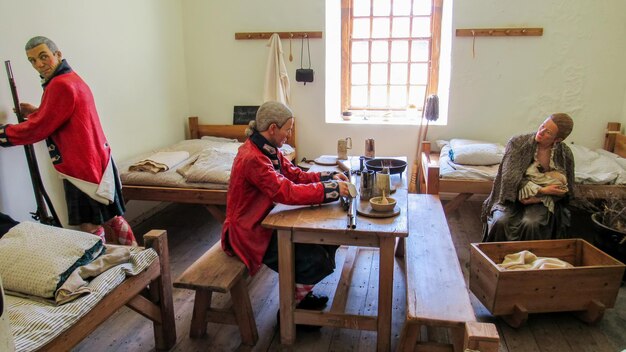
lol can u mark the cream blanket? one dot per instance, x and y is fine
(213, 165)
(526, 260)
(160, 161)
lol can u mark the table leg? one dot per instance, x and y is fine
(385, 292)
(286, 286)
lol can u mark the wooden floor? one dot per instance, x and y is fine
(192, 231)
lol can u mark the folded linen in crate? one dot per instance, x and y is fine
(526, 260)
(160, 161)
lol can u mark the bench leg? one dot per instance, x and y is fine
(243, 313)
(199, 320)
(408, 337)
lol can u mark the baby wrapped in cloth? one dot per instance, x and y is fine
(534, 180)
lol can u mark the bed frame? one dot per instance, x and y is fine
(148, 293)
(212, 199)
(431, 183)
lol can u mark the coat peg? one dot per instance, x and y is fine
(490, 32)
(524, 30)
(249, 36)
(306, 35)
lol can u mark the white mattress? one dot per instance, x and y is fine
(171, 178)
(592, 167)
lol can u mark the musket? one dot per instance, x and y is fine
(41, 197)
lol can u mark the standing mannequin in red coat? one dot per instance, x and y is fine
(261, 176)
(67, 119)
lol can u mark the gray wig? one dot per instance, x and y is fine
(36, 41)
(270, 112)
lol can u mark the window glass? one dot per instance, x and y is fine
(361, 7)
(380, 51)
(399, 74)
(401, 27)
(419, 50)
(397, 97)
(379, 74)
(359, 74)
(378, 96)
(380, 28)
(400, 51)
(421, 27)
(361, 28)
(421, 7)
(401, 7)
(382, 7)
(359, 51)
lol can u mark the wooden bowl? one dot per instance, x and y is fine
(376, 204)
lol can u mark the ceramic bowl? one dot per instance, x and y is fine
(376, 204)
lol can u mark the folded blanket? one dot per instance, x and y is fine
(526, 260)
(76, 284)
(212, 166)
(160, 161)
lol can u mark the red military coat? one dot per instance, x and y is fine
(255, 186)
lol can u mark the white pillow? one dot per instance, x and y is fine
(476, 154)
(36, 259)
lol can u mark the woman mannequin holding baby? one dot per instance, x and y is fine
(529, 197)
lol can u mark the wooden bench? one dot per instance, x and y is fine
(437, 296)
(216, 271)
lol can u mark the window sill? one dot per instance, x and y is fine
(360, 120)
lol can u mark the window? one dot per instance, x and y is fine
(390, 54)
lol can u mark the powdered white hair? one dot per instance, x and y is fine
(270, 112)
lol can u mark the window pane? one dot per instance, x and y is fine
(380, 51)
(421, 27)
(421, 7)
(419, 73)
(401, 7)
(361, 8)
(399, 73)
(359, 74)
(400, 27)
(379, 74)
(378, 97)
(419, 50)
(361, 28)
(358, 96)
(380, 28)
(417, 95)
(382, 7)
(359, 52)
(400, 51)
(397, 97)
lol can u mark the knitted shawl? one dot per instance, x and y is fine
(518, 155)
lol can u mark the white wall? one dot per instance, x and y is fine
(129, 52)
(508, 88)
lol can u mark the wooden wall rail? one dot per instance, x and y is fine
(283, 35)
(498, 32)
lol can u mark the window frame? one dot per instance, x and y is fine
(432, 83)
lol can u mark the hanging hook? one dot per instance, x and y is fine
(290, 54)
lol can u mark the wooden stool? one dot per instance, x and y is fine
(219, 272)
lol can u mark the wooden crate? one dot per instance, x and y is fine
(588, 288)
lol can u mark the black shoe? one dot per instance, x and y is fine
(299, 327)
(313, 302)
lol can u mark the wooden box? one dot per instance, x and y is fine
(588, 288)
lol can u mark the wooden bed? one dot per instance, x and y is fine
(148, 293)
(431, 183)
(212, 199)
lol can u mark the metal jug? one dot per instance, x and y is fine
(367, 184)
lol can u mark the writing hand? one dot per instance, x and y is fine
(344, 191)
(340, 177)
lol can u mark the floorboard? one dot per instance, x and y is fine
(192, 231)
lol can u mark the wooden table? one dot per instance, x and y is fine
(327, 224)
